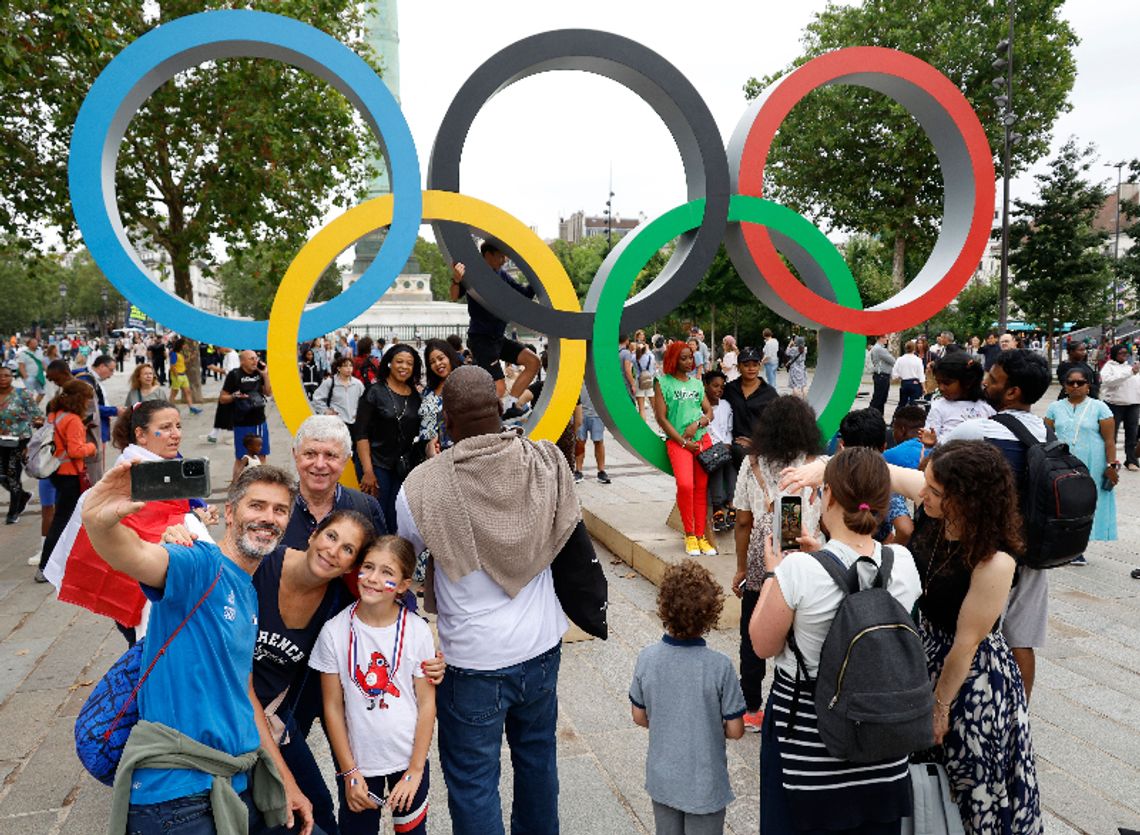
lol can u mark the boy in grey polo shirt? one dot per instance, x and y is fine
(690, 699)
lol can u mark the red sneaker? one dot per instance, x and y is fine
(753, 721)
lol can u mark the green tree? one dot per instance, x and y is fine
(870, 262)
(582, 260)
(855, 158)
(250, 278)
(433, 263)
(1060, 272)
(239, 150)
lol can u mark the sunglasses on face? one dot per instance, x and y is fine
(1076, 382)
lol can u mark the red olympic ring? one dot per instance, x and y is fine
(867, 66)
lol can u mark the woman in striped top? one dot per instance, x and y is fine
(802, 788)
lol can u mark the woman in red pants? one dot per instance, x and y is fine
(683, 413)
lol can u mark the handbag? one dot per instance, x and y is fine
(580, 583)
(716, 456)
(935, 813)
(110, 712)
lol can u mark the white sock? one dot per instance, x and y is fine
(508, 401)
(213, 434)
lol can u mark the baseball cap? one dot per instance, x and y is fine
(748, 355)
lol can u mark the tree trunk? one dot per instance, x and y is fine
(712, 333)
(184, 289)
(898, 281)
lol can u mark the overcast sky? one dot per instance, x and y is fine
(544, 147)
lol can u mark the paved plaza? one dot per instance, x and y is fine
(1085, 709)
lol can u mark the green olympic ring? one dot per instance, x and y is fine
(604, 378)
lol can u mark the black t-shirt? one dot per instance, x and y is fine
(239, 381)
(944, 576)
(390, 422)
(281, 654)
(747, 410)
(989, 352)
(483, 321)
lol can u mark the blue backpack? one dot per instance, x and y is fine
(110, 712)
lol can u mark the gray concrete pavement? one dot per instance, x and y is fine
(1085, 710)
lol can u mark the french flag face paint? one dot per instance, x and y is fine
(390, 585)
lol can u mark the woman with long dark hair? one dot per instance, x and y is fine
(441, 360)
(788, 436)
(387, 428)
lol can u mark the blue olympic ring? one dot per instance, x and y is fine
(158, 56)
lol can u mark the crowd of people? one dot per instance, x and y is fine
(308, 604)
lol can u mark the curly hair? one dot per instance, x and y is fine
(963, 368)
(672, 355)
(136, 376)
(786, 430)
(689, 601)
(987, 520)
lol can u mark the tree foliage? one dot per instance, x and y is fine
(1060, 271)
(858, 160)
(240, 151)
(32, 296)
(433, 263)
(249, 279)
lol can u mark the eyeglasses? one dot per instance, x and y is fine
(1076, 382)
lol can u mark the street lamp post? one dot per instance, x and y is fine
(1119, 166)
(1004, 52)
(63, 306)
(103, 313)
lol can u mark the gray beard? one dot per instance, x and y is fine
(255, 552)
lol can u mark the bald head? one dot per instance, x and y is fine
(470, 404)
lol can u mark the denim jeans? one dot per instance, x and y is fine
(191, 815)
(909, 392)
(307, 773)
(473, 708)
(770, 369)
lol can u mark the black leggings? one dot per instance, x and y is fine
(66, 498)
(752, 667)
(11, 468)
(1129, 415)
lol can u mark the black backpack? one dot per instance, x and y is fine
(873, 696)
(1058, 498)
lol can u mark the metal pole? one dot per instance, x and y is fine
(1004, 312)
(1116, 243)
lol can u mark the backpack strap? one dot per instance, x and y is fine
(839, 572)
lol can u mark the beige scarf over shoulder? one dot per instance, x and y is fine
(500, 504)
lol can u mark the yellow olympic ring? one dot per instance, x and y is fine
(341, 233)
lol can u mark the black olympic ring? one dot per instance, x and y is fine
(660, 85)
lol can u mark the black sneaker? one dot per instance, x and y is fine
(516, 411)
(603, 478)
(578, 476)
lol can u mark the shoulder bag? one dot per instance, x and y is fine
(110, 713)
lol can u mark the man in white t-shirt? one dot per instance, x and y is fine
(1016, 380)
(771, 358)
(909, 372)
(494, 510)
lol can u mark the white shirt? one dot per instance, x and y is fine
(721, 427)
(728, 366)
(381, 740)
(480, 626)
(809, 590)
(908, 367)
(230, 361)
(1118, 384)
(771, 351)
(945, 414)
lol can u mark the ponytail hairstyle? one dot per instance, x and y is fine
(860, 483)
(123, 432)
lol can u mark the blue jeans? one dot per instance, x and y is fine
(307, 773)
(909, 392)
(191, 815)
(473, 708)
(770, 373)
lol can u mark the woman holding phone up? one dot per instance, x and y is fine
(787, 437)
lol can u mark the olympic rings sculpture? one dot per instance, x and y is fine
(726, 202)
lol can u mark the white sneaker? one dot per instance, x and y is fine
(34, 559)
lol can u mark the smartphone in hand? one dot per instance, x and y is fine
(184, 478)
(791, 522)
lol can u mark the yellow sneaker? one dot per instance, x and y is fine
(707, 548)
(692, 546)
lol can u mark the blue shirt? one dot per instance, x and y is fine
(906, 454)
(483, 321)
(200, 686)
